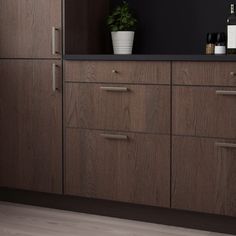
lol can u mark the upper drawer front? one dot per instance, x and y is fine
(140, 108)
(118, 72)
(204, 73)
(204, 111)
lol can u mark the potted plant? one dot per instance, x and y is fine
(122, 24)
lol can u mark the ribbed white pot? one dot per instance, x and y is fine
(123, 42)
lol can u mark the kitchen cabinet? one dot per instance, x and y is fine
(203, 175)
(30, 29)
(118, 166)
(31, 125)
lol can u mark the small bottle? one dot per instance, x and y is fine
(231, 31)
(220, 47)
(210, 46)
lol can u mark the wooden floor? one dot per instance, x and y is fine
(21, 220)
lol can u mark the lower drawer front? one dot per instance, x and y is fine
(138, 108)
(204, 175)
(204, 111)
(125, 167)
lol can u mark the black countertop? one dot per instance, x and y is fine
(136, 57)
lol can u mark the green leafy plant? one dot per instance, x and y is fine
(122, 19)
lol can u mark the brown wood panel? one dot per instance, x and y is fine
(126, 72)
(204, 176)
(26, 28)
(142, 108)
(204, 73)
(200, 111)
(85, 27)
(136, 170)
(31, 126)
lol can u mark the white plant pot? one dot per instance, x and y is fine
(123, 42)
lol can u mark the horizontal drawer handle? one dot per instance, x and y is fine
(227, 93)
(114, 136)
(115, 89)
(226, 145)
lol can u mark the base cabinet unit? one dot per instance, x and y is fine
(125, 167)
(31, 125)
(204, 175)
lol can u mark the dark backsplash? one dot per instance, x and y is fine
(176, 27)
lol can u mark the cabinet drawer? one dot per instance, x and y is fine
(204, 111)
(124, 167)
(118, 72)
(204, 73)
(141, 108)
(204, 175)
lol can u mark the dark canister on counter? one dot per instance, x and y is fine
(211, 41)
(220, 46)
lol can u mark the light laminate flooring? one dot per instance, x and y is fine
(22, 220)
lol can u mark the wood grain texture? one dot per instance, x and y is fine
(85, 27)
(142, 108)
(26, 28)
(31, 126)
(199, 111)
(127, 72)
(136, 170)
(24, 220)
(204, 176)
(204, 73)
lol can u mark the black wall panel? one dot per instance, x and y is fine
(177, 27)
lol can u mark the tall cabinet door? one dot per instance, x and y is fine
(31, 125)
(30, 28)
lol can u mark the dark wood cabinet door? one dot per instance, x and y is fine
(30, 126)
(138, 108)
(126, 167)
(26, 28)
(204, 111)
(204, 175)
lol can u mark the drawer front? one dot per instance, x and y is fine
(139, 108)
(204, 73)
(124, 167)
(204, 111)
(118, 72)
(204, 175)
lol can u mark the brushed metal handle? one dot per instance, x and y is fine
(114, 71)
(54, 46)
(226, 93)
(114, 136)
(54, 83)
(226, 145)
(233, 73)
(115, 89)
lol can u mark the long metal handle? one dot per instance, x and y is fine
(114, 136)
(226, 93)
(226, 145)
(54, 83)
(55, 51)
(115, 89)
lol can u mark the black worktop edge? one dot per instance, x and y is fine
(110, 57)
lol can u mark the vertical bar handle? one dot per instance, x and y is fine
(55, 51)
(54, 83)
